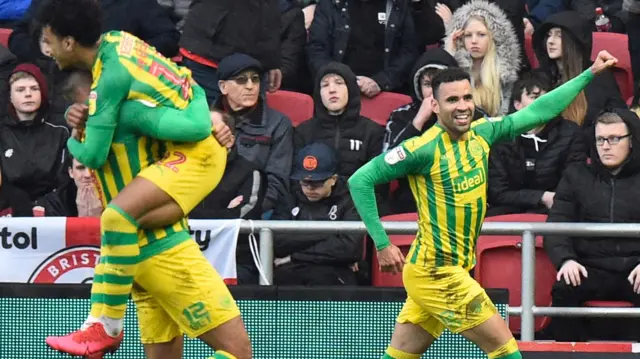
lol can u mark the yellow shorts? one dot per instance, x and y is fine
(177, 292)
(189, 171)
(444, 297)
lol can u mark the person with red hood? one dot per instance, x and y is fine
(32, 149)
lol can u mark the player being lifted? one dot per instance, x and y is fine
(125, 69)
(447, 171)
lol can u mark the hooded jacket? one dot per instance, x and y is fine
(631, 6)
(355, 139)
(603, 92)
(505, 39)
(327, 249)
(32, 152)
(591, 193)
(521, 171)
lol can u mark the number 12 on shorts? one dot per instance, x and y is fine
(197, 315)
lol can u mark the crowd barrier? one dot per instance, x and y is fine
(26, 234)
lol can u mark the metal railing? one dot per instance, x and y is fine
(528, 231)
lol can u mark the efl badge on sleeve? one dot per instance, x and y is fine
(395, 155)
(93, 98)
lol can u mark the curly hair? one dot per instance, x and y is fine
(79, 19)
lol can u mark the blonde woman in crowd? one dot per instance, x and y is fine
(483, 41)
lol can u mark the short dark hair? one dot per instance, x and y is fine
(79, 19)
(76, 78)
(529, 82)
(448, 75)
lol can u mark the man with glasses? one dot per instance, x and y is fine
(604, 191)
(321, 259)
(264, 137)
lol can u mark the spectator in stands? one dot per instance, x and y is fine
(177, 11)
(563, 47)
(264, 135)
(524, 174)
(77, 197)
(416, 118)
(632, 13)
(143, 18)
(12, 11)
(540, 10)
(320, 259)
(337, 121)
(604, 191)
(215, 29)
(375, 38)
(484, 43)
(293, 37)
(14, 202)
(32, 149)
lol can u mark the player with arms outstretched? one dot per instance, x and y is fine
(447, 171)
(163, 104)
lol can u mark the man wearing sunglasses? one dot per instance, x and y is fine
(603, 191)
(263, 136)
(321, 259)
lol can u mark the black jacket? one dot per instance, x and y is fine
(143, 18)
(241, 178)
(14, 202)
(591, 193)
(263, 136)
(519, 175)
(8, 62)
(32, 155)
(215, 29)
(293, 37)
(329, 39)
(355, 139)
(603, 92)
(328, 249)
(61, 202)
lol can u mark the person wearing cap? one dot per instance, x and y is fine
(320, 259)
(415, 118)
(32, 148)
(264, 135)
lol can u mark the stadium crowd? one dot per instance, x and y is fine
(584, 166)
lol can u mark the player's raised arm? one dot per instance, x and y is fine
(545, 108)
(107, 94)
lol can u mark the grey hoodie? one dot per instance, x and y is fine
(631, 6)
(504, 36)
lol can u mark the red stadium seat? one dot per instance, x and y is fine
(499, 265)
(380, 107)
(617, 45)
(4, 36)
(402, 241)
(297, 106)
(531, 54)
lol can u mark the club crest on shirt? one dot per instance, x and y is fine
(395, 155)
(475, 149)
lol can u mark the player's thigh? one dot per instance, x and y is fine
(169, 350)
(415, 329)
(450, 295)
(189, 171)
(490, 335)
(187, 287)
(141, 196)
(157, 328)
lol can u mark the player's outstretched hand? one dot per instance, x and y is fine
(603, 61)
(77, 115)
(391, 259)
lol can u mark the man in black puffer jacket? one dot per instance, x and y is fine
(322, 259)
(524, 174)
(604, 191)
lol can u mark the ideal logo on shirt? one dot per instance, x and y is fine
(469, 181)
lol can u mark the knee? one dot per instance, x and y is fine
(114, 218)
(564, 294)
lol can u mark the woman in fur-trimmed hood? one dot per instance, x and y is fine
(483, 41)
